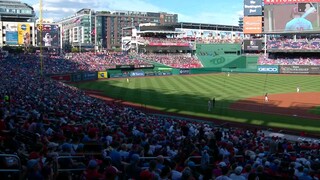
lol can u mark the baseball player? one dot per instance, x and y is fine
(298, 89)
(266, 99)
(128, 80)
(299, 23)
(209, 105)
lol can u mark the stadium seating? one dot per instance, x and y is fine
(174, 60)
(50, 130)
(287, 60)
(287, 44)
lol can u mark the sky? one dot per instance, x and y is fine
(224, 12)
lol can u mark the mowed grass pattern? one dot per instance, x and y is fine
(190, 94)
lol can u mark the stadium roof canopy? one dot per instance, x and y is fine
(160, 32)
(203, 26)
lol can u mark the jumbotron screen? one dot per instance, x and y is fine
(295, 18)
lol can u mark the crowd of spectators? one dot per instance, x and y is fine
(73, 62)
(50, 126)
(176, 60)
(303, 44)
(288, 60)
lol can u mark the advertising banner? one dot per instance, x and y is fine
(24, 34)
(89, 76)
(62, 78)
(272, 69)
(76, 77)
(184, 71)
(137, 74)
(314, 69)
(252, 45)
(48, 35)
(299, 17)
(125, 66)
(295, 69)
(150, 73)
(266, 2)
(252, 25)
(102, 75)
(252, 8)
(118, 75)
(143, 66)
(11, 37)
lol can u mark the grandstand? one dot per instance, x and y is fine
(160, 44)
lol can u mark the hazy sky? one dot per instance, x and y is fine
(224, 12)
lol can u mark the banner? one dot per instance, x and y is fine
(62, 78)
(90, 76)
(76, 77)
(295, 69)
(252, 45)
(48, 35)
(266, 2)
(252, 25)
(125, 66)
(11, 37)
(24, 34)
(137, 74)
(252, 8)
(102, 75)
(143, 66)
(184, 71)
(268, 69)
(118, 75)
(299, 69)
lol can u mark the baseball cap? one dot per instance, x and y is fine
(222, 164)
(238, 170)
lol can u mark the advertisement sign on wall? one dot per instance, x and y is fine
(252, 8)
(24, 34)
(268, 69)
(252, 45)
(11, 37)
(137, 74)
(62, 78)
(299, 69)
(102, 75)
(184, 71)
(252, 25)
(90, 76)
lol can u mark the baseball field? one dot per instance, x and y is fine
(239, 97)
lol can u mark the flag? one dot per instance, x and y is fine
(93, 32)
(77, 20)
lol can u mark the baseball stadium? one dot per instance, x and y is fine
(174, 101)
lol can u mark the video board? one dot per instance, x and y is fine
(292, 16)
(49, 35)
(252, 45)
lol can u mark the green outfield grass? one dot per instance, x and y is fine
(189, 95)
